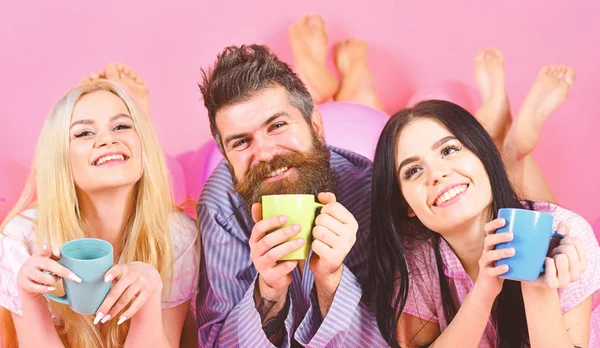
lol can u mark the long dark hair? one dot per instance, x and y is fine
(393, 233)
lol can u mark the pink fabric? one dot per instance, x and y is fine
(424, 298)
(17, 241)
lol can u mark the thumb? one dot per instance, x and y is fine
(326, 197)
(256, 212)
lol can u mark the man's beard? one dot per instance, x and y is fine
(313, 175)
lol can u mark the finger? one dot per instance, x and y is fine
(267, 225)
(326, 236)
(576, 242)
(137, 304)
(57, 269)
(43, 251)
(256, 212)
(322, 249)
(280, 270)
(574, 263)
(273, 239)
(112, 297)
(330, 222)
(33, 287)
(492, 240)
(492, 226)
(550, 278)
(495, 255)
(41, 278)
(116, 272)
(326, 197)
(127, 297)
(280, 251)
(496, 271)
(562, 270)
(338, 212)
(564, 228)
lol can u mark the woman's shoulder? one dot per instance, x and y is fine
(184, 232)
(22, 226)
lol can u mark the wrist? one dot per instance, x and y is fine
(263, 290)
(484, 295)
(329, 282)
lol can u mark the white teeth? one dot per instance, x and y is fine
(277, 172)
(451, 193)
(101, 160)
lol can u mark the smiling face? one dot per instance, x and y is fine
(105, 149)
(271, 148)
(445, 185)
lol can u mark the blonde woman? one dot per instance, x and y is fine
(99, 172)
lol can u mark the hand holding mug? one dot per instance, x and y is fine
(36, 276)
(134, 283)
(488, 278)
(565, 263)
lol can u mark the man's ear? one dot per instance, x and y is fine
(317, 123)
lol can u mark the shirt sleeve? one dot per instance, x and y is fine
(589, 283)
(226, 311)
(348, 323)
(184, 281)
(16, 243)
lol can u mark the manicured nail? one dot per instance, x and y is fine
(299, 241)
(51, 288)
(44, 247)
(296, 228)
(99, 316)
(108, 278)
(121, 320)
(105, 319)
(74, 278)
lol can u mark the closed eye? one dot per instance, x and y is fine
(84, 133)
(122, 127)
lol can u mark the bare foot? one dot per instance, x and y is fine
(309, 44)
(357, 82)
(494, 114)
(134, 84)
(549, 90)
(92, 78)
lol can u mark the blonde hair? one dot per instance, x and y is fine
(52, 189)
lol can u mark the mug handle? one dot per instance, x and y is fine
(318, 205)
(554, 235)
(63, 299)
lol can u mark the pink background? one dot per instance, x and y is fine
(48, 46)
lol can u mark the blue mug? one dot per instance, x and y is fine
(90, 259)
(532, 231)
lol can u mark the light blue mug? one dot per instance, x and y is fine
(90, 259)
(532, 231)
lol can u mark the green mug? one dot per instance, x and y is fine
(300, 210)
(90, 259)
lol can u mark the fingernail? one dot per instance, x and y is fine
(105, 319)
(74, 278)
(99, 316)
(108, 278)
(296, 228)
(44, 247)
(51, 288)
(121, 320)
(282, 218)
(511, 251)
(299, 241)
